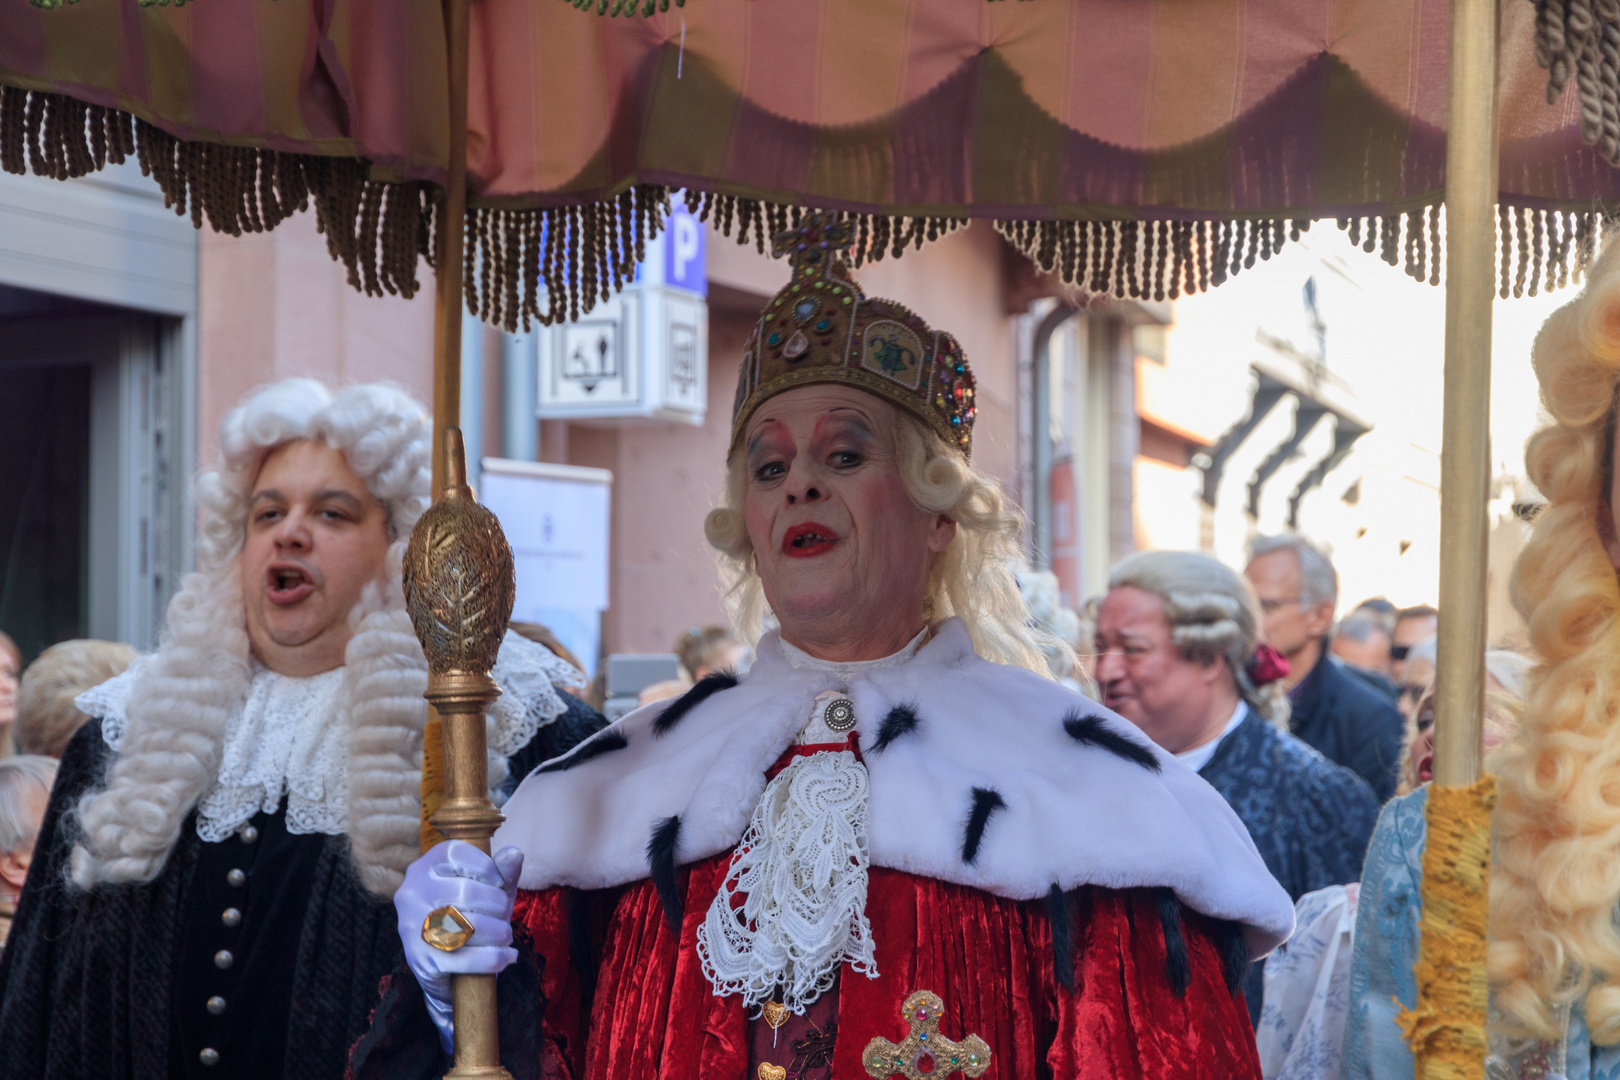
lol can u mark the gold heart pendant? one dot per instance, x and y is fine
(767, 1071)
(775, 1014)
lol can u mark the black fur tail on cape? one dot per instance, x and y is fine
(1176, 966)
(661, 859)
(901, 720)
(1060, 913)
(1094, 731)
(706, 687)
(1234, 950)
(986, 801)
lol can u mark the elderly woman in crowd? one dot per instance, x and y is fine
(10, 669)
(897, 824)
(25, 789)
(47, 717)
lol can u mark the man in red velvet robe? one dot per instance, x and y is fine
(898, 847)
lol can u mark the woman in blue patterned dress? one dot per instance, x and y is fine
(1390, 904)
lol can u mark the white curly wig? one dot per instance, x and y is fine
(170, 750)
(1213, 615)
(383, 432)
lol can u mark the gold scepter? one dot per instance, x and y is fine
(459, 588)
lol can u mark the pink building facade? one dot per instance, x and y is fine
(228, 314)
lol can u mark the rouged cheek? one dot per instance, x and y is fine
(880, 506)
(757, 522)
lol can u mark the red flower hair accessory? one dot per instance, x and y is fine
(1267, 665)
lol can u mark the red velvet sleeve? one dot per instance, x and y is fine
(1123, 1020)
(545, 916)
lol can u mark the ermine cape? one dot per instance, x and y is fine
(1076, 897)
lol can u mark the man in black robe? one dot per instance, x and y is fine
(211, 891)
(1176, 640)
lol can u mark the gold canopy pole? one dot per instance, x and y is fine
(1465, 453)
(459, 589)
(452, 219)
(1447, 1027)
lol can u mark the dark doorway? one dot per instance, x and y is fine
(44, 494)
(48, 348)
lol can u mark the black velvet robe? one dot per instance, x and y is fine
(114, 983)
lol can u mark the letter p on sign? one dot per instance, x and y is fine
(686, 268)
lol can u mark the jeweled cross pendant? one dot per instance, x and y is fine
(924, 1044)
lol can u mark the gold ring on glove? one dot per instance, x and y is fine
(446, 929)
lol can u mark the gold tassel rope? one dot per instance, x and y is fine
(1446, 1029)
(548, 265)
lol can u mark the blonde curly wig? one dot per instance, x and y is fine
(975, 578)
(1556, 879)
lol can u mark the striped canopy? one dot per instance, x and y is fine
(1140, 147)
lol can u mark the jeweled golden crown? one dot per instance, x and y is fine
(822, 329)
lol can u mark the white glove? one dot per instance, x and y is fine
(456, 874)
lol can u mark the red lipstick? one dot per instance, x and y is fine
(808, 540)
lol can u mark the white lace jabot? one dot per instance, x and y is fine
(289, 738)
(280, 743)
(792, 909)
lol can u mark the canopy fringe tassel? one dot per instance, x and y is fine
(1149, 259)
(1581, 38)
(1539, 250)
(614, 8)
(553, 264)
(375, 229)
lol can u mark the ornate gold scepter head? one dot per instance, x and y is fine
(459, 588)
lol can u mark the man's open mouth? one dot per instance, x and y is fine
(803, 541)
(288, 584)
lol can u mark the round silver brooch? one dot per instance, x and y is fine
(840, 714)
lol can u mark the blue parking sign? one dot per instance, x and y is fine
(685, 247)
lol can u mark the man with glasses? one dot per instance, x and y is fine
(1413, 626)
(1338, 714)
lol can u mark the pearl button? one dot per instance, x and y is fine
(237, 878)
(216, 1005)
(232, 917)
(223, 959)
(209, 1056)
(248, 834)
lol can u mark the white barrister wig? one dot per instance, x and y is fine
(384, 433)
(168, 754)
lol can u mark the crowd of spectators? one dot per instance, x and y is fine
(1319, 731)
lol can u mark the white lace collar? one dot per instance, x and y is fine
(851, 669)
(289, 739)
(285, 741)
